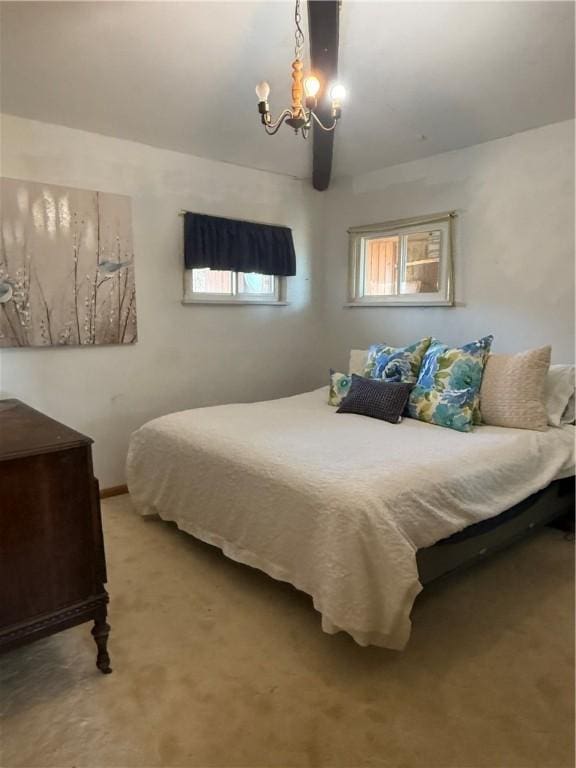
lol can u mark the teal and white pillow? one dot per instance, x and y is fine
(448, 386)
(339, 387)
(400, 364)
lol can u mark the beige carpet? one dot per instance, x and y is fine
(216, 664)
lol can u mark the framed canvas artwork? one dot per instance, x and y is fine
(66, 267)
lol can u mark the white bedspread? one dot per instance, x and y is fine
(335, 504)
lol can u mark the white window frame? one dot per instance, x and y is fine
(359, 236)
(277, 298)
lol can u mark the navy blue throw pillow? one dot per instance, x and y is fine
(378, 399)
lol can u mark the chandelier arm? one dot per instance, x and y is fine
(321, 124)
(273, 128)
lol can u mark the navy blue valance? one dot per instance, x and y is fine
(241, 246)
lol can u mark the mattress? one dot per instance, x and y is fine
(335, 504)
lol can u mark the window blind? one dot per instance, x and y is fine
(239, 246)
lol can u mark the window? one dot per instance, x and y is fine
(402, 263)
(212, 285)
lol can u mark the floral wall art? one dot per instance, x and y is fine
(66, 267)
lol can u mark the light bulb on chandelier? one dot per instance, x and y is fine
(311, 86)
(262, 91)
(337, 94)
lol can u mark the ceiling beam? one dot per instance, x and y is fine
(323, 33)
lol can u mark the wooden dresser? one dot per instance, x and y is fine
(52, 565)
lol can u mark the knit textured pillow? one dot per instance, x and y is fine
(396, 363)
(448, 387)
(513, 390)
(383, 400)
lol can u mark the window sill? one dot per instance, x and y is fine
(236, 303)
(363, 305)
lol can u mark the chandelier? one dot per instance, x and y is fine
(300, 116)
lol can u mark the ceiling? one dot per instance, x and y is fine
(423, 77)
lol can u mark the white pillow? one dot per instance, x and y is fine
(569, 415)
(559, 394)
(357, 363)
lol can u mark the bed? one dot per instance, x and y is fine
(341, 506)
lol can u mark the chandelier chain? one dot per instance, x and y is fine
(298, 35)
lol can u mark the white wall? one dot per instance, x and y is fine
(186, 356)
(514, 260)
(514, 273)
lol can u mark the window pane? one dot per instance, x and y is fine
(422, 268)
(252, 282)
(381, 266)
(211, 281)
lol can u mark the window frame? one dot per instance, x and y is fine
(276, 299)
(359, 236)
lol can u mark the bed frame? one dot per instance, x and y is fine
(554, 505)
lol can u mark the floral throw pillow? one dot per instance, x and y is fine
(448, 387)
(339, 387)
(399, 364)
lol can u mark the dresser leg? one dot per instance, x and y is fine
(100, 632)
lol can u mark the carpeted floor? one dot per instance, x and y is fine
(216, 664)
